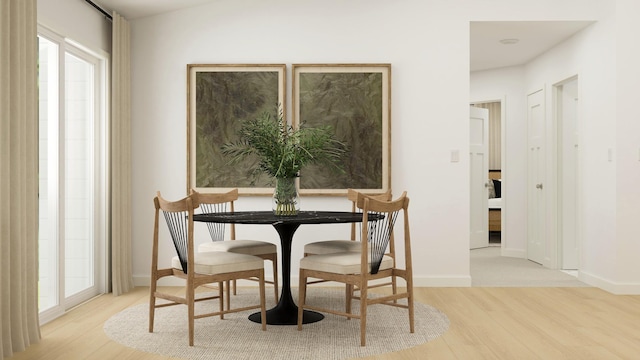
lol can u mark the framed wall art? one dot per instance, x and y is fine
(355, 100)
(219, 98)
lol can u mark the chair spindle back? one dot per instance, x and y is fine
(352, 195)
(178, 216)
(217, 203)
(216, 230)
(379, 234)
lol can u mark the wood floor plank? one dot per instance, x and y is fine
(486, 323)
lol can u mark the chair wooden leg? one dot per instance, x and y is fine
(263, 306)
(235, 292)
(394, 287)
(363, 314)
(221, 299)
(348, 298)
(152, 304)
(227, 294)
(275, 278)
(411, 317)
(191, 312)
(410, 304)
(302, 296)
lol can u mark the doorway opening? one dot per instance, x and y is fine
(486, 65)
(486, 181)
(494, 175)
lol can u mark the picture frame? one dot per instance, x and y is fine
(219, 97)
(355, 100)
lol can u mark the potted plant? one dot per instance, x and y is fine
(282, 152)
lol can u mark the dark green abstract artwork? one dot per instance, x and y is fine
(223, 100)
(352, 104)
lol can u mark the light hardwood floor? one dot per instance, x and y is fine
(486, 323)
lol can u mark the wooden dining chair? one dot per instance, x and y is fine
(333, 246)
(224, 202)
(371, 263)
(353, 244)
(196, 268)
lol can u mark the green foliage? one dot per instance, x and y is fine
(281, 150)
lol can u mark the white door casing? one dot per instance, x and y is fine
(536, 198)
(567, 100)
(479, 173)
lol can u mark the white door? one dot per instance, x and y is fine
(479, 175)
(536, 224)
(568, 126)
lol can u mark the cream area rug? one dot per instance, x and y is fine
(236, 337)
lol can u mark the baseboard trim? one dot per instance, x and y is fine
(432, 281)
(608, 285)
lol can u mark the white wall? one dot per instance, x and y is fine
(627, 154)
(286, 32)
(427, 43)
(78, 21)
(582, 55)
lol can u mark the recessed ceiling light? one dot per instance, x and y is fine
(509, 41)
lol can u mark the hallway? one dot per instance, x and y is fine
(489, 269)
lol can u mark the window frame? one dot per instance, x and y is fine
(99, 180)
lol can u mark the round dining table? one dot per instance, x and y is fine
(286, 311)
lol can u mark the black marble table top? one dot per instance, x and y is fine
(268, 217)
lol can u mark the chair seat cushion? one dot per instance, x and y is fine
(340, 263)
(332, 246)
(219, 262)
(249, 247)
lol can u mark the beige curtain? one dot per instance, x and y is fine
(121, 262)
(18, 176)
(495, 139)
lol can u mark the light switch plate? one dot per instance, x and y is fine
(455, 155)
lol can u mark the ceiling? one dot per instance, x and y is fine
(133, 9)
(486, 52)
(534, 39)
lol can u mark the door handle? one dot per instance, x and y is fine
(539, 186)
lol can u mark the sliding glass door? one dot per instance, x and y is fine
(72, 175)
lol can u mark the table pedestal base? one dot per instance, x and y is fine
(277, 316)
